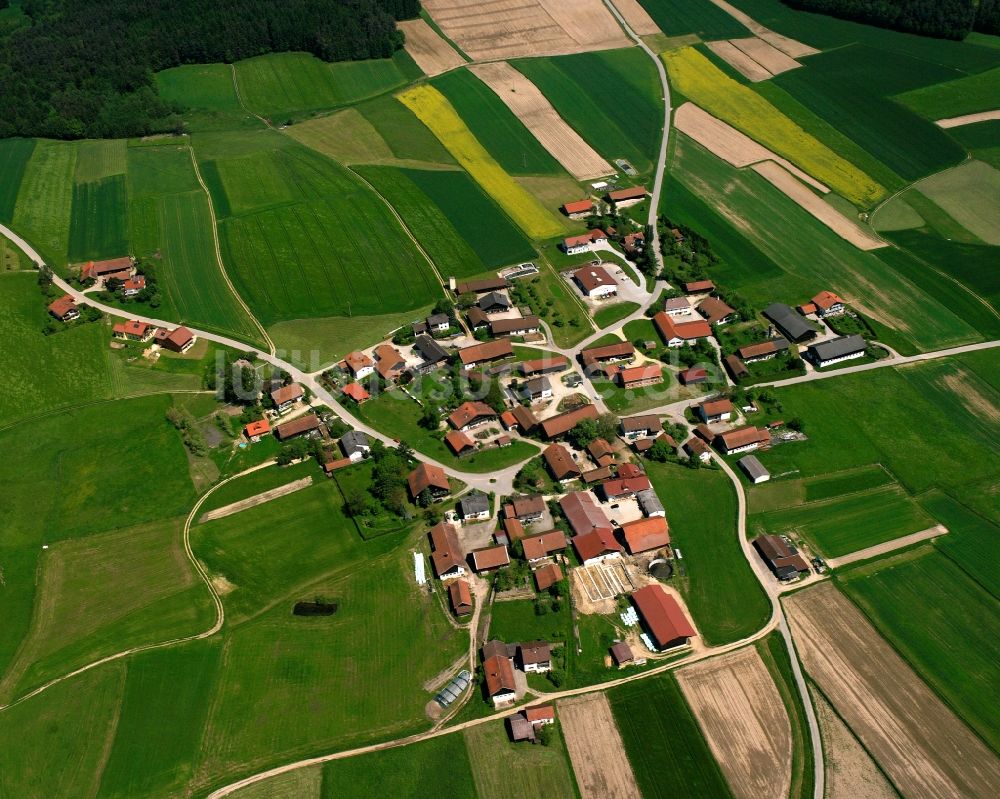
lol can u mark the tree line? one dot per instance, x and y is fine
(944, 19)
(84, 68)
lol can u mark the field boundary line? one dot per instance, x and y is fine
(888, 546)
(218, 254)
(202, 572)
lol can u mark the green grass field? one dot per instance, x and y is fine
(764, 264)
(954, 646)
(100, 159)
(969, 194)
(836, 87)
(290, 85)
(964, 95)
(502, 134)
(406, 136)
(14, 157)
(611, 98)
(44, 205)
(207, 92)
(99, 223)
(516, 620)
(721, 592)
(981, 140)
(505, 770)
(12, 259)
(700, 17)
(303, 237)
(555, 303)
(669, 755)
(609, 314)
(973, 542)
(489, 240)
(841, 525)
(404, 772)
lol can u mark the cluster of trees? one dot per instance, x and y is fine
(388, 487)
(184, 421)
(589, 430)
(944, 19)
(84, 69)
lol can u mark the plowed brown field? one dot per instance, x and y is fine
(432, 53)
(596, 750)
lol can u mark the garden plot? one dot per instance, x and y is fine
(431, 52)
(603, 581)
(529, 105)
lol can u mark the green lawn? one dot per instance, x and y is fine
(552, 299)
(954, 645)
(14, 157)
(503, 135)
(289, 85)
(396, 415)
(505, 770)
(721, 592)
(964, 95)
(609, 314)
(841, 525)
(669, 754)
(624, 401)
(612, 99)
(44, 205)
(516, 620)
(99, 224)
(404, 772)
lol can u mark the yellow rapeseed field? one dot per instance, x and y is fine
(433, 109)
(706, 85)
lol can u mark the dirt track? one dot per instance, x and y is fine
(846, 228)
(968, 119)
(888, 546)
(529, 105)
(744, 721)
(257, 499)
(596, 749)
(432, 53)
(925, 749)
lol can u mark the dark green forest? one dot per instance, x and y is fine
(944, 19)
(84, 68)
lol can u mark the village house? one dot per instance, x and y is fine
(471, 414)
(677, 306)
(634, 243)
(742, 439)
(461, 597)
(755, 471)
(331, 466)
(564, 422)
(515, 327)
(608, 353)
(623, 488)
(547, 576)
(696, 448)
(355, 445)
(643, 426)
(643, 535)
(286, 396)
(494, 302)
(490, 558)
(621, 654)
(500, 685)
(526, 509)
(512, 530)
(438, 323)
(428, 477)
(538, 547)
(477, 318)
(573, 245)
(597, 546)
(790, 324)
(601, 451)
(598, 475)
(715, 311)
(523, 726)
(485, 353)
(304, 425)
(64, 309)
(179, 340)
(389, 362)
(459, 443)
(561, 464)
(543, 366)
(446, 554)
(693, 376)
(356, 392)
(595, 282)
(827, 303)
(675, 334)
(583, 513)
(712, 411)
(132, 286)
(535, 656)
(359, 364)
(662, 617)
(536, 389)
(624, 198)
(781, 558)
(429, 351)
(111, 269)
(133, 330)
(640, 376)
(254, 431)
(699, 287)
(836, 350)
(578, 209)
(524, 419)
(763, 351)
(474, 506)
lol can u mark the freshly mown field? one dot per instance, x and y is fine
(404, 772)
(433, 109)
(44, 204)
(701, 81)
(288, 85)
(787, 492)
(101, 158)
(611, 98)
(495, 126)
(952, 98)
(837, 86)
(700, 17)
(99, 224)
(969, 194)
(505, 770)
(748, 220)
(487, 238)
(662, 739)
(838, 526)
(14, 157)
(303, 237)
(345, 136)
(955, 646)
(721, 592)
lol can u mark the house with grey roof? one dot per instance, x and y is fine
(474, 506)
(355, 445)
(430, 351)
(835, 350)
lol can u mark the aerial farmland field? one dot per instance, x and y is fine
(700, 17)
(99, 224)
(505, 770)
(959, 624)
(97, 159)
(14, 157)
(44, 205)
(962, 95)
